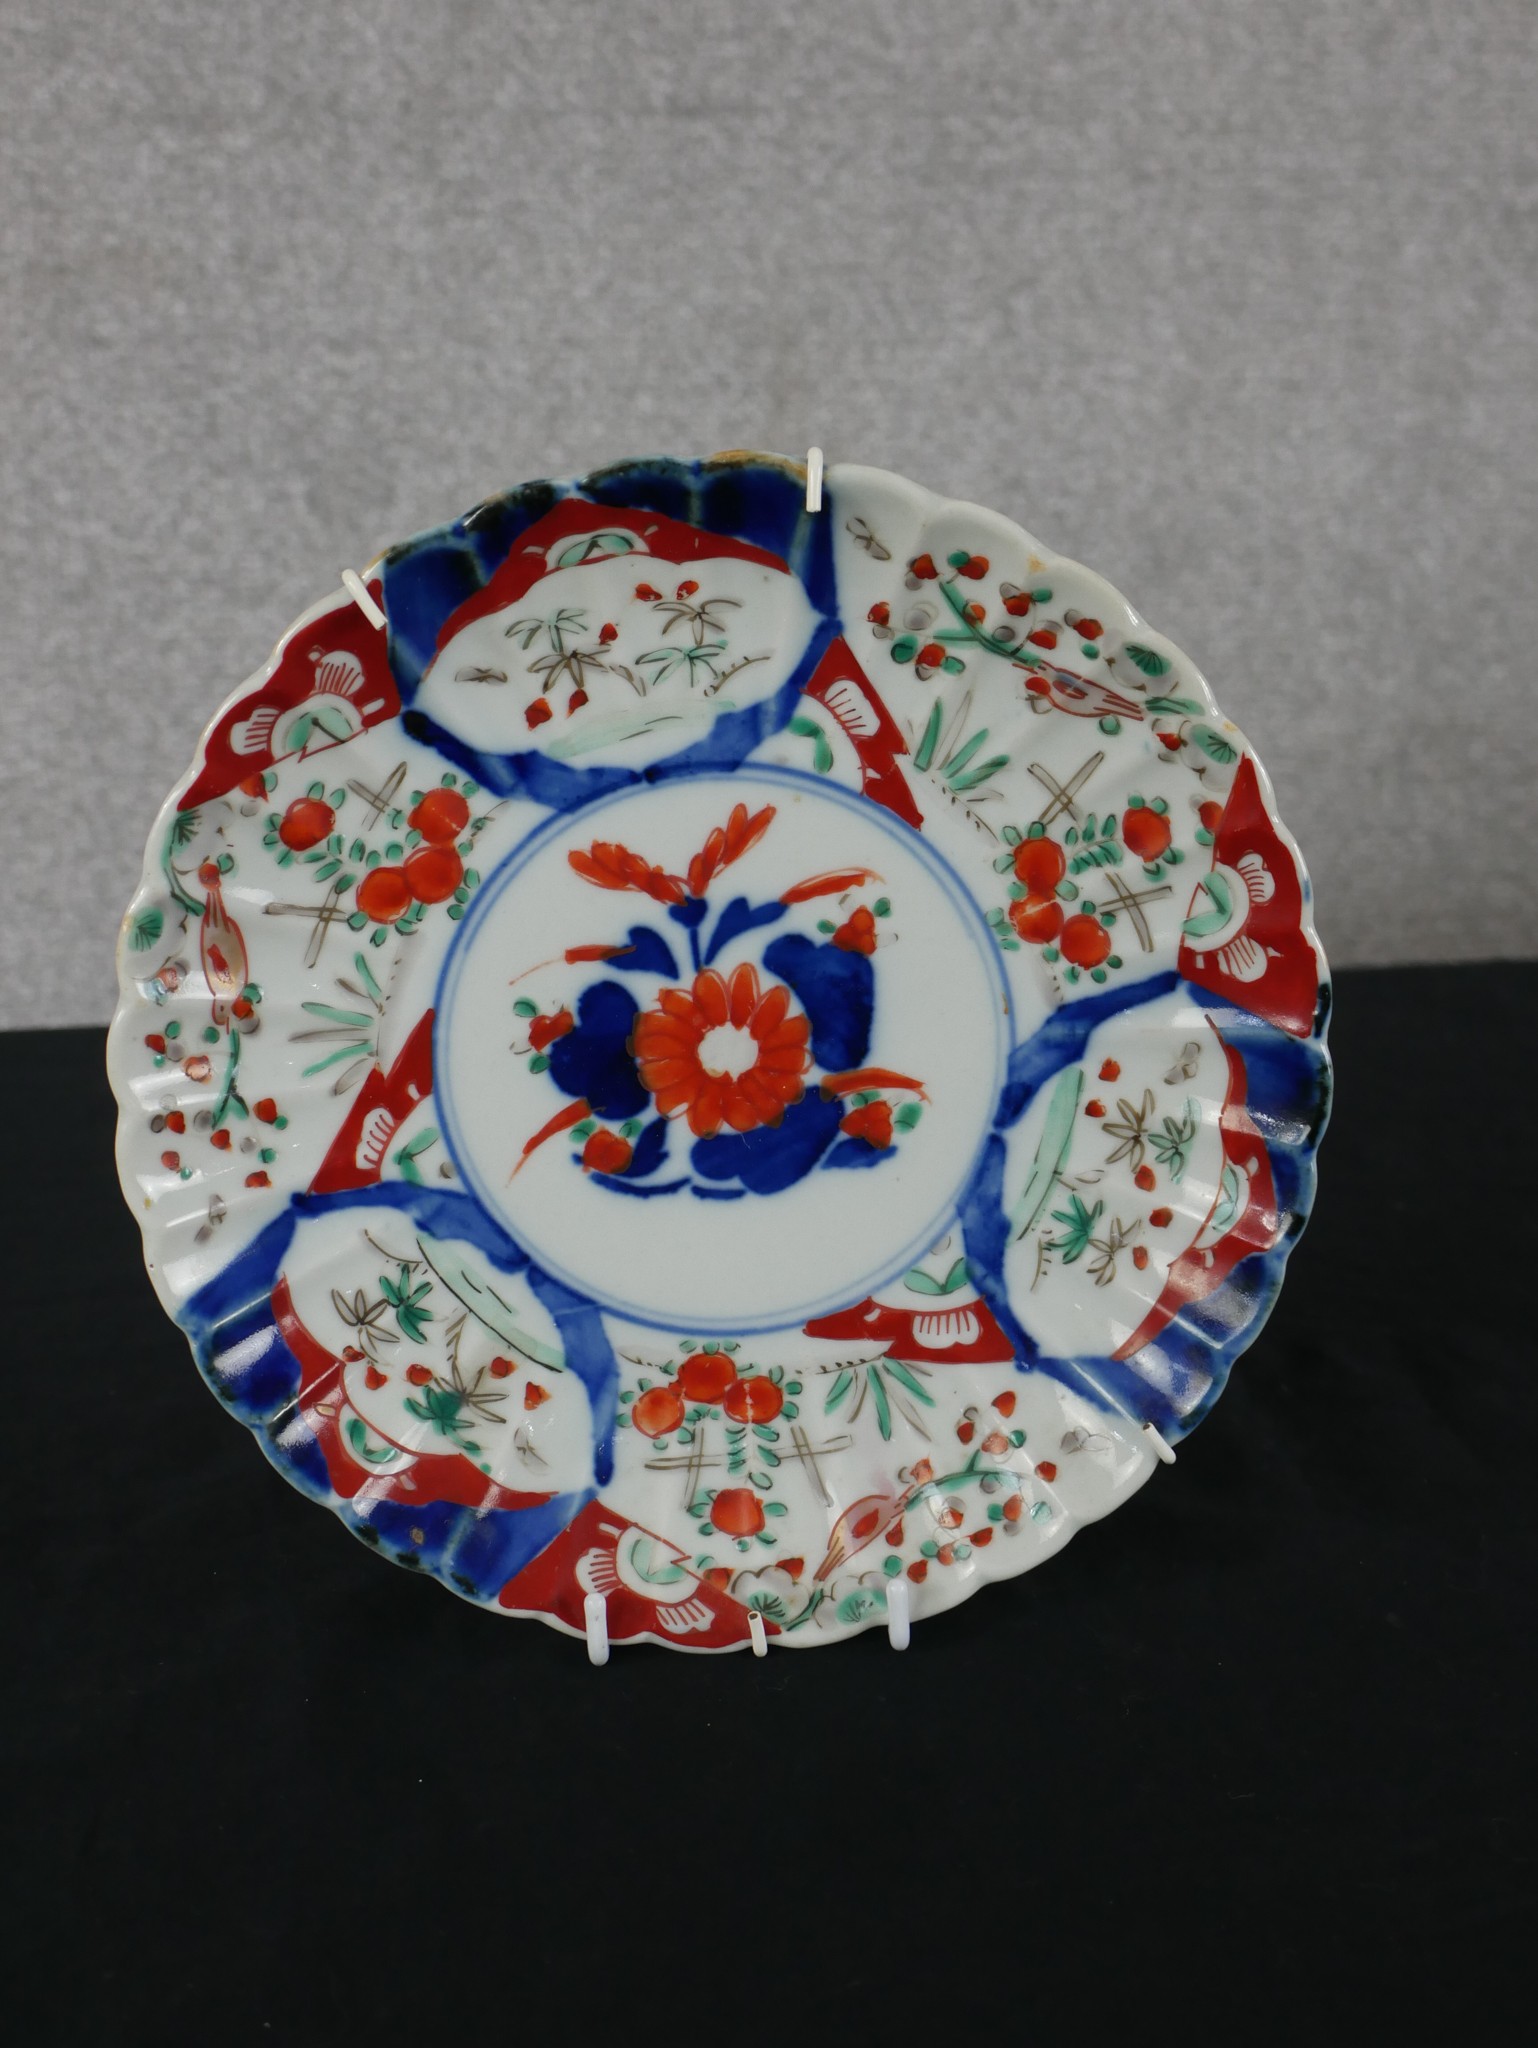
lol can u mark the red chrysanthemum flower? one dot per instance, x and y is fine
(723, 1052)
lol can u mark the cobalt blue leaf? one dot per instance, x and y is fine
(738, 917)
(647, 953)
(836, 989)
(775, 1156)
(594, 1060)
(855, 1152)
(650, 1149)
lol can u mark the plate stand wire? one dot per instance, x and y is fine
(362, 597)
(814, 479)
(596, 1613)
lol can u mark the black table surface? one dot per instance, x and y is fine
(1258, 1744)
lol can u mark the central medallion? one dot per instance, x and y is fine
(721, 1053)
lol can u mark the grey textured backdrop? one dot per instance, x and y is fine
(1235, 301)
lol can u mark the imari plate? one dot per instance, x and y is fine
(723, 1057)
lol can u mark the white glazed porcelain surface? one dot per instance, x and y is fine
(728, 1057)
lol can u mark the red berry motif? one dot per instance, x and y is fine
(220, 1140)
(857, 934)
(1211, 815)
(502, 1368)
(199, 1067)
(1088, 629)
(171, 1161)
(1047, 1470)
(433, 873)
(975, 567)
(706, 1376)
(1041, 864)
(606, 1152)
(1038, 919)
(1146, 831)
(923, 566)
(931, 654)
(737, 1511)
(209, 873)
(373, 1378)
(879, 614)
(918, 1571)
(1018, 603)
(1014, 1508)
(440, 817)
(608, 635)
(1110, 1070)
(1161, 1219)
(753, 1400)
(1042, 637)
(419, 1375)
(305, 823)
(535, 1396)
(537, 712)
(265, 1111)
(1085, 941)
(647, 593)
(1005, 1403)
(384, 894)
(1171, 740)
(872, 1122)
(688, 587)
(657, 1412)
(1095, 1107)
(575, 701)
(1146, 1179)
(258, 1180)
(1140, 1256)
(545, 1031)
(175, 1121)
